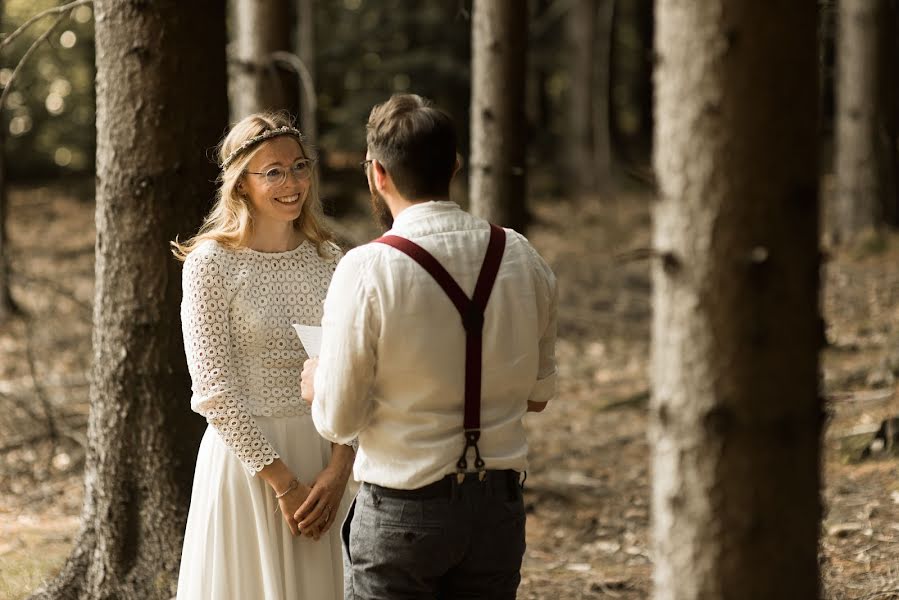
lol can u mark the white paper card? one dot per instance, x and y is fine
(311, 337)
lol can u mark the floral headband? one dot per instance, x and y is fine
(266, 135)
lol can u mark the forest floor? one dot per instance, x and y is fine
(588, 486)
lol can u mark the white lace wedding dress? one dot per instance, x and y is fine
(245, 362)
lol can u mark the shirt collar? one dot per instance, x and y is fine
(423, 210)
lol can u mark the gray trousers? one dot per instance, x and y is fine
(466, 543)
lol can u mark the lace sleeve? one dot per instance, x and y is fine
(207, 344)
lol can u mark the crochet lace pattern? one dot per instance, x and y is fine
(244, 357)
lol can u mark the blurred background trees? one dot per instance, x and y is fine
(361, 52)
(588, 89)
(49, 115)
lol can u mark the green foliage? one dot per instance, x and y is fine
(49, 114)
(365, 51)
(370, 50)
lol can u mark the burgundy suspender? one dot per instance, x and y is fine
(472, 312)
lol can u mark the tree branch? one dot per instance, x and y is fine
(50, 421)
(50, 11)
(307, 86)
(25, 58)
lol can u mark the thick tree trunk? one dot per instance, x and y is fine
(498, 126)
(735, 416)
(306, 52)
(158, 110)
(581, 30)
(862, 174)
(258, 28)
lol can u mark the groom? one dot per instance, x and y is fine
(438, 338)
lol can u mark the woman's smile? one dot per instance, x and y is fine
(288, 200)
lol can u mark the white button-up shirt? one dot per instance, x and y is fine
(392, 364)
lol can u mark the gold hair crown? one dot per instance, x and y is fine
(265, 135)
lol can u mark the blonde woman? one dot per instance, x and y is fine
(260, 263)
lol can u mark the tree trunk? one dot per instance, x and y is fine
(827, 21)
(581, 28)
(306, 52)
(498, 126)
(158, 110)
(889, 88)
(258, 28)
(602, 82)
(736, 417)
(7, 307)
(862, 176)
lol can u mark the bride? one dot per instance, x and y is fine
(260, 263)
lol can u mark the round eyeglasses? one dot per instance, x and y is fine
(302, 169)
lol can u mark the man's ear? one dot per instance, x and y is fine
(458, 166)
(380, 174)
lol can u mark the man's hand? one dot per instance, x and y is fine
(307, 391)
(317, 513)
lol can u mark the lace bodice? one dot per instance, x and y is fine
(244, 357)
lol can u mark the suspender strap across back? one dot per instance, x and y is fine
(471, 310)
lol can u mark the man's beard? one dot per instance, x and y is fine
(380, 211)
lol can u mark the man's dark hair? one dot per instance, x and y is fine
(416, 144)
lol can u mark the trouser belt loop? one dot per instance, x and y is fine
(488, 481)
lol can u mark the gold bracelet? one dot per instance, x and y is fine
(293, 485)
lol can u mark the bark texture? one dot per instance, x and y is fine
(158, 110)
(864, 172)
(258, 28)
(498, 124)
(735, 414)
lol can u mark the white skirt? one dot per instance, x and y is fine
(236, 546)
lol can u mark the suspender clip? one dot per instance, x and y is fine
(471, 441)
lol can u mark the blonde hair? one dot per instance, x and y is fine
(230, 222)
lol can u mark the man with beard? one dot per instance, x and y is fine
(438, 338)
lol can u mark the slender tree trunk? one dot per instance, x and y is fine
(581, 28)
(306, 52)
(498, 126)
(827, 19)
(602, 82)
(735, 415)
(7, 307)
(862, 175)
(158, 110)
(889, 88)
(258, 28)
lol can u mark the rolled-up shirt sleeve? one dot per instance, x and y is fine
(346, 371)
